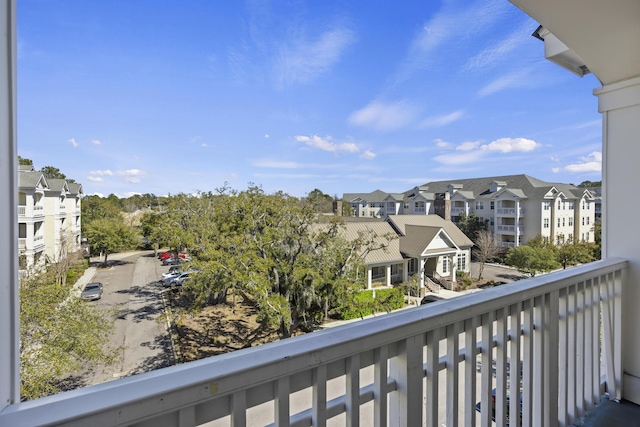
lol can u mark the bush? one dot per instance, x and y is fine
(364, 303)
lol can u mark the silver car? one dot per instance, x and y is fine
(92, 291)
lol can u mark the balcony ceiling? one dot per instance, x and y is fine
(605, 34)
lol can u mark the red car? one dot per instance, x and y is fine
(168, 254)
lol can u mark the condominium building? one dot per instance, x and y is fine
(516, 207)
(48, 218)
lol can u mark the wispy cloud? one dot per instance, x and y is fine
(105, 172)
(95, 178)
(327, 144)
(438, 121)
(368, 155)
(384, 116)
(73, 142)
(96, 142)
(131, 175)
(404, 149)
(493, 55)
(281, 164)
(513, 80)
(441, 144)
(509, 145)
(468, 146)
(301, 60)
(590, 163)
(459, 20)
(459, 159)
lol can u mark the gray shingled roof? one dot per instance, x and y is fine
(28, 179)
(57, 185)
(375, 196)
(380, 232)
(400, 222)
(74, 188)
(417, 239)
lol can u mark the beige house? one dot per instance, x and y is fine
(31, 217)
(406, 245)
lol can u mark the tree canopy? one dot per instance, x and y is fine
(471, 225)
(532, 260)
(108, 235)
(264, 248)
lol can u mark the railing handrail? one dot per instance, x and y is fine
(171, 389)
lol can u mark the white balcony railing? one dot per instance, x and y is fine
(422, 366)
(22, 243)
(22, 210)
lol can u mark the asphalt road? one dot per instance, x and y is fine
(131, 290)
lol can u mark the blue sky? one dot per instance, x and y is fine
(345, 96)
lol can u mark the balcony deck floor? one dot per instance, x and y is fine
(611, 414)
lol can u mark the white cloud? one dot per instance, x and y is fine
(554, 158)
(276, 164)
(96, 142)
(73, 142)
(369, 155)
(300, 61)
(195, 139)
(487, 58)
(590, 163)
(468, 146)
(204, 144)
(383, 116)
(404, 149)
(441, 144)
(516, 79)
(266, 135)
(128, 194)
(327, 144)
(131, 175)
(106, 172)
(509, 145)
(95, 178)
(555, 170)
(442, 120)
(459, 159)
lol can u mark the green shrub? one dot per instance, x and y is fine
(72, 276)
(364, 303)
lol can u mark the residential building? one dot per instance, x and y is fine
(516, 207)
(49, 218)
(31, 218)
(407, 245)
(574, 332)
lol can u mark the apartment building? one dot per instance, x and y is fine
(49, 218)
(516, 207)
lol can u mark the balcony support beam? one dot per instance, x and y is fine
(9, 326)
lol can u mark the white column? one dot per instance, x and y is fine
(388, 275)
(369, 274)
(453, 265)
(9, 356)
(619, 104)
(517, 222)
(421, 263)
(405, 270)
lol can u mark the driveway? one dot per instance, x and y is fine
(132, 292)
(496, 272)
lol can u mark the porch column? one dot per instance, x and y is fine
(517, 239)
(388, 275)
(619, 104)
(421, 271)
(369, 274)
(405, 270)
(453, 267)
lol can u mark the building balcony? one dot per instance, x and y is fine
(552, 342)
(458, 210)
(509, 229)
(511, 212)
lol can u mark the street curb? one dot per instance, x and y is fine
(172, 328)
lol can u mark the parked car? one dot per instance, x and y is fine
(92, 291)
(172, 270)
(177, 279)
(175, 261)
(493, 407)
(430, 298)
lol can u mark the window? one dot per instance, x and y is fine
(480, 205)
(570, 236)
(445, 264)
(583, 204)
(564, 206)
(559, 204)
(546, 205)
(413, 266)
(582, 220)
(492, 222)
(493, 205)
(588, 220)
(558, 222)
(587, 235)
(563, 222)
(419, 206)
(570, 206)
(570, 221)
(546, 223)
(462, 261)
